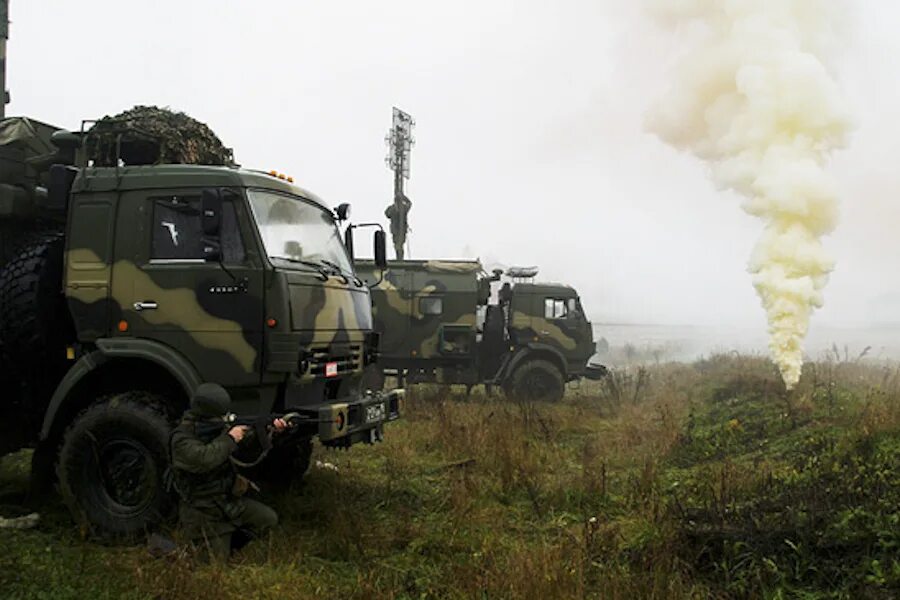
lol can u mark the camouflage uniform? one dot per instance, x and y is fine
(212, 512)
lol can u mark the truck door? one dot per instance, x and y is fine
(561, 326)
(210, 312)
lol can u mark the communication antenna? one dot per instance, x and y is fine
(4, 35)
(400, 142)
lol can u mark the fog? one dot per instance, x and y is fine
(530, 142)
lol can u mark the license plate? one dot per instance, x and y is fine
(331, 369)
(375, 413)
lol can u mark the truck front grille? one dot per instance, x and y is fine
(348, 359)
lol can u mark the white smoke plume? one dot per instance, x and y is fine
(755, 99)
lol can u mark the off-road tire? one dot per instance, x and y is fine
(112, 465)
(34, 321)
(536, 380)
(283, 466)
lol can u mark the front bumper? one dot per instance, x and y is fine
(595, 372)
(346, 423)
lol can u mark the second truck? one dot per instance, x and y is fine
(450, 322)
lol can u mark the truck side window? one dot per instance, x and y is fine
(555, 308)
(431, 305)
(178, 231)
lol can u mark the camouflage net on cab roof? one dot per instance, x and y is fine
(153, 135)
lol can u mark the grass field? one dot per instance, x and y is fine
(670, 481)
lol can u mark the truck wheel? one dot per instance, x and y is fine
(283, 465)
(33, 323)
(112, 464)
(537, 380)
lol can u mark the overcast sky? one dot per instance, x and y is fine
(530, 148)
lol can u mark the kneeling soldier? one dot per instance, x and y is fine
(213, 512)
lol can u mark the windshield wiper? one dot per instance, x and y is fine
(319, 267)
(337, 268)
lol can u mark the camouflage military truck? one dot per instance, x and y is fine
(450, 322)
(123, 287)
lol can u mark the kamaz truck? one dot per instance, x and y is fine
(450, 322)
(124, 287)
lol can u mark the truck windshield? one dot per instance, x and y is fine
(297, 232)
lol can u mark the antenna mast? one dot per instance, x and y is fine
(400, 141)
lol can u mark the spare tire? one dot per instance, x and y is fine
(34, 322)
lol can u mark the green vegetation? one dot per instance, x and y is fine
(694, 481)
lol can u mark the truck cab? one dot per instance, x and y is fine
(239, 276)
(551, 315)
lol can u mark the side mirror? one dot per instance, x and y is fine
(380, 250)
(342, 211)
(348, 241)
(212, 250)
(211, 212)
(67, 144)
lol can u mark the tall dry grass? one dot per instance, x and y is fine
(664, 481)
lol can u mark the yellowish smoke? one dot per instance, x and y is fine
(753, 97)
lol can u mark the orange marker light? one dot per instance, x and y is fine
(123, 326)
(282, 176)
(271, 322)
(290, 179)
(273, 173)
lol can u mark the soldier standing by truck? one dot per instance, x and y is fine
(397, 213)
(214, 514)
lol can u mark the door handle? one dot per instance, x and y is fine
(146, 305)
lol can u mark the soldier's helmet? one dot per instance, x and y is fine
(210, 400)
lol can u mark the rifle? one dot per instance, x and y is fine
(260, 429)
(292, 419)
(209, 429)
